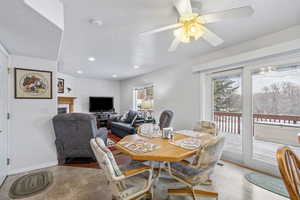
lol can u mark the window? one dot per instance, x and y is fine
(143, 98)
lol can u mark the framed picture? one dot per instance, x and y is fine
(60, 85)
(33, 84)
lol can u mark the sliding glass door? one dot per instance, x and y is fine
(226, 90)
(257, 109)
(276, 110)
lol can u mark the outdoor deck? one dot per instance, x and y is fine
(270, 133)
(265, 151)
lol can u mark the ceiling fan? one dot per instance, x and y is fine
(190, 25)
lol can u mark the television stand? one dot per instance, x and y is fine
(104, 122)
(105, 119)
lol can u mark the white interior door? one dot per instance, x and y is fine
(3, 118)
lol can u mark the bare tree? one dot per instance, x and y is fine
(278, 98)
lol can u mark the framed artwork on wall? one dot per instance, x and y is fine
(33, 84)
(60, 85)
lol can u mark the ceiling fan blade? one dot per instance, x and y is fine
(183, 6)
(174, 45)
(211, 37)
(165, 28)
(227, 14)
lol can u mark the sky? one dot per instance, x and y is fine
(280, 75)
(260, 81)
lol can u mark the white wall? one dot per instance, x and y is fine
(249, 49)
(69, 83)
(83, 88)
(178, 88)
(174, 88)
(31, 140)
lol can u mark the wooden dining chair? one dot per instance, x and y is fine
(289, 167)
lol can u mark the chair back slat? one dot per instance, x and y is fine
(289, 167)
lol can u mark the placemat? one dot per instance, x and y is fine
(189, 143)
(152, 135)
(140, 146)
(192, 133)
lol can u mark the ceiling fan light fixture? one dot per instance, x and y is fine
(190, 30)
(182, 35)
(196, 31)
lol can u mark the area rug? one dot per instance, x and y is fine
(269, 183)
(30, 185)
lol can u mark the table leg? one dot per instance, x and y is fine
(156, 177)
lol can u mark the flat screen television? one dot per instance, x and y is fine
(101, 104)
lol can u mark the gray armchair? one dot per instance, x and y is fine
(165, 119)
(73, 133)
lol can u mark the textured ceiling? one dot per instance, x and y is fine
(116, 45)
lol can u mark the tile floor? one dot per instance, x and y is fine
(75, 183)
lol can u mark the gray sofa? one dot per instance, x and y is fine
(127, 127)
(122, 128)
(73, 133)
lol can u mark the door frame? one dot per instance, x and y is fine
(246, 76)
(227, 155)
(5, 64)
(249, 160)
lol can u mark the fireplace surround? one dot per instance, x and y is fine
(65, 104)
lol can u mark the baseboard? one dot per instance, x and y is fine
(35, 167)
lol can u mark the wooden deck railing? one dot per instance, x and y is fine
(228, 122)
(231, 122)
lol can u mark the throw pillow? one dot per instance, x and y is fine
(132, 122)
(130, 117)
(124, 117)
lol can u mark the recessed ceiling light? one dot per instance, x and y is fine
(136, 67)
(96, 22)
(79, 71)
(114, 76)
(92, 59)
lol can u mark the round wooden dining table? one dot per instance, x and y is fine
(166, 153)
